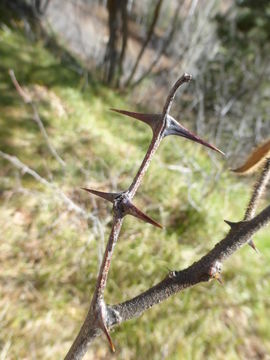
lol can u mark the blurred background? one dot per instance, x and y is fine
(63, 64)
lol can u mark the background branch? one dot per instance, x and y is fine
(72, 206)
(28, 100)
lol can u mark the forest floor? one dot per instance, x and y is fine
(50, 253)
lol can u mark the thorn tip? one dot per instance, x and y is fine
(105, 195)
(253, 246)
(133, 210)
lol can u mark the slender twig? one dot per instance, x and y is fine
(158, 132)
(166, 41)
(27, 170)
(258, 190)
(169, 101)
(28, 100)
(257, 193)
(146, 41)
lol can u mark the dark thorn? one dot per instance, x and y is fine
(231, 223)
(174, 128)
(107, 196)
(133, 210)
(149, 119)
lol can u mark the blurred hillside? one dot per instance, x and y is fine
(53, 234)
(225, 45)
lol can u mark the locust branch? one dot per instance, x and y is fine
(102, 317)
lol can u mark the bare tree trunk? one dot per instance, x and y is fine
(124, 39)
(117, 10)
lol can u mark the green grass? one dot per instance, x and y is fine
(49, 255)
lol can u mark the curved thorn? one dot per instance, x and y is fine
(133, 210)
(174, 128)
(105, 195)
(149, 119)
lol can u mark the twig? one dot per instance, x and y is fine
(257, 193)
(28, 100)
(162, 125)
(67, 201)
(258, 190)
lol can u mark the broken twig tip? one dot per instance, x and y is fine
(187, 77)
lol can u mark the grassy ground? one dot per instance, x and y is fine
(49, 255)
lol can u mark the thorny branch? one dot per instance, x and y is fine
(101, 317)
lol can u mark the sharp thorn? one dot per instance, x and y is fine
(107, 196)
(253, 246)
(174, 128)
(149, 119)
(106, 332)
(230, 223)
(133, 210)
(234, 225)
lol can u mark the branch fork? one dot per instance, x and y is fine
(162, 125)
(102, 317)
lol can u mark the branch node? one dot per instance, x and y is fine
(122, 205)
(215, 271)
(172, 274)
